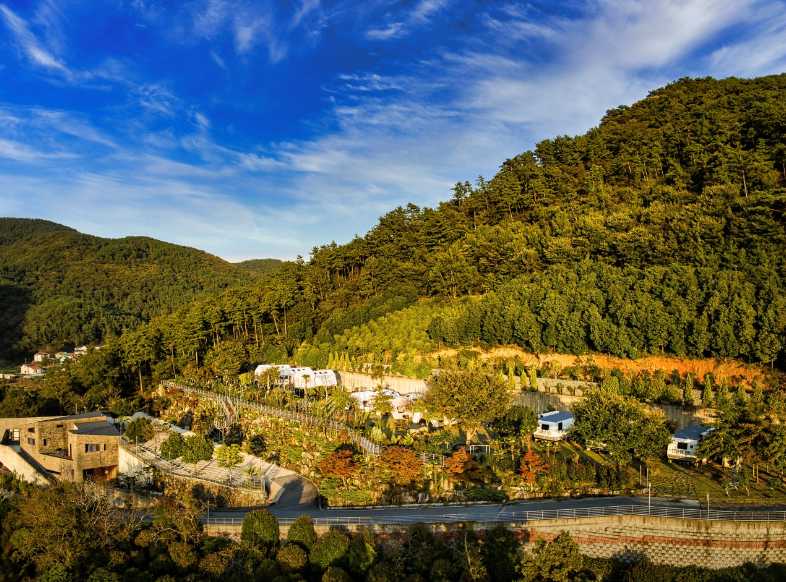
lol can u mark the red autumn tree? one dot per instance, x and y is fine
(532, 465)
(341, 463)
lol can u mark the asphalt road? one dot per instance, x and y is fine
(458, 513)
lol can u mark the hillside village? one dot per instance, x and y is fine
(576, 366)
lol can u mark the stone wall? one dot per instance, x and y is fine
(676, 542)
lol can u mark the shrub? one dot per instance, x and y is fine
(260, 528)
(234, 436)
(292, 558)
(257, 445)
(302, 532)
(197, 448)
(330, 548)
(139, 430)
(228, 456)
(173, 446)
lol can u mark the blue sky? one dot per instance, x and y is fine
(261, 129)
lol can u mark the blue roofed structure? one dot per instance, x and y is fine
(554, 426)
(557, 416)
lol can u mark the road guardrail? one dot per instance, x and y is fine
(513, 516)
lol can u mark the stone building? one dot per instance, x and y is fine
(69, 448)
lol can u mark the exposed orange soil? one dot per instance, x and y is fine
(730, 369)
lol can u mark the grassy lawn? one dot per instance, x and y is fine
(683, 480)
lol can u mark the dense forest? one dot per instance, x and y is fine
(59, 287)
(662, 230)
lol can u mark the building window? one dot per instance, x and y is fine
(544, 427)
(682, 446)
(91, 448)
(30, 441)
(45, 441)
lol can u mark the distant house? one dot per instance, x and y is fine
(554, 426)
(41, 357)
(32, 369)
(63, 356)
(80, 351)
(685, 441)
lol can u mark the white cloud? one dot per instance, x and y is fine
(211, 17)
(19, 152)
(201, 120)
(420, 15)
(69, 124)
(30, 45)
(217, 59)
(306, 7)
(392, 30)
(764, 53)
(397, 138)
(156, 98)
(425, 9)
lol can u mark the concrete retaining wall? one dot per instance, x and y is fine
(355, 381)
(14, 462)
(676, 542)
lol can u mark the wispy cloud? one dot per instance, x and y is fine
(306, 7)
(167, 164)
(30, 45)
(763, 53)
(402, 25)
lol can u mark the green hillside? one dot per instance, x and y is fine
(260, 266)
(662, 230)
(59, 287)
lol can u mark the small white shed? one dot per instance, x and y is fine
(686, 440)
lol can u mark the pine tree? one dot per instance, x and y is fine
(533, 378)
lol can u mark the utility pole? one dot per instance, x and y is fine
(649, 492)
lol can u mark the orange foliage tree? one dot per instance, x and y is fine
(341, 463)
(403, 463)
(532, 465)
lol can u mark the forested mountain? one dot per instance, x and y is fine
(260, 266)
(61, 287)
(660, 230)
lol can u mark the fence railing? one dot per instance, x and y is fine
(512, 516)
(297, 415)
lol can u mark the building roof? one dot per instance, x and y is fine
(80, 415)
(556, 416)
(692, 432)
(96, 428)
